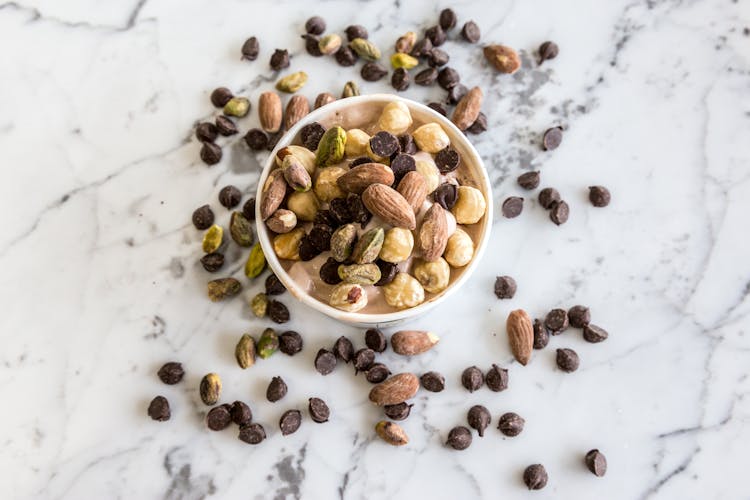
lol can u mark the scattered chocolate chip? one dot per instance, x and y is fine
(273, 139)
(377, 373)
(438, 107)
(206, 132)
(219, 418)
(230, 196)
(274, 286)
(556, 321)
(579, 316)
(320, 237)
(279, 60)
(289, 422)
(329, 272)
(529, 180)
(315, 25)
(213, 261)
(256, 139)
(356, 31)
(548, 50)
(497, 378)
(552, 138)
(480, 124)
(384, 144)
(436, 35)
(210, 153)
(363, 359)
(548, 197)
(346, 57)
(225, 126)
(459, 438)
(512, 207)
(541, 335)
(511, 424)
(252, 433)
(325, 361)
(311, 45)
(388, 272)
(343, 349)
(456, 93)
(535, 477)
(248, 209)
(158, 409)
(596, 462)
(203, 217)
(375, 340)
(319, 411)
(277, 312)
(241, 414)
(446, 195)
(505, 287)
(276, 389)
(399, 411)
(478, 418)
(599, 196)
(447, 160)
(372, 72)
(567, 360)
(171, 373)
(422, 48)
(221, 96)
(400, 79)
(426, 77)
(448, 77)
(432, 381)
(471, 32)
(437, 58)
(447, 19)
(408, 146)
(290, 343)
(250, 49)
(402, 164)
(310, 135)
(594, 334)
(559, 213)
(472, 378)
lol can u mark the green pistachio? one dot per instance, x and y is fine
(292, 83)
(329, 44)
(365, 49)
(259, 305)
(210, 389)
(351, 89)
(256, 262)
(212, 238)
(331, 147)
(245, 351)
(241, 229)
(237, 106)
(268, 343)
(400, 60)
(342, 242)
(223, 288)
(368, 247)
(361, 274)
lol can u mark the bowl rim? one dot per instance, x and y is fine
(372, 318)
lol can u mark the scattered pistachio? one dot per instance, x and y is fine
(210, 389)
(268, 343)
(237, 106)
(402, 60)
(406, 43)
(365, 49)
(241, 229)
(259, 305)
(351, 89)
(329, 44)
(223, 288)
(256, 262)
(245, 351)
(292, 83)
(213, 238)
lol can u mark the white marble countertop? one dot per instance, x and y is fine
(101, 282)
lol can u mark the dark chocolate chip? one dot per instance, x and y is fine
(594, 334)
(472, 378)
(438, 107)
(276, 389)
(567, 360)
(497, 378)
(480, 124)
(377, 373)
(426, 77)
(399, 411)
(408, 146)
(357, 210)
(511, 424)
(213, 261)
(363, 359)
(279, 60)
(579, 316)
(290, 343)
(221, 96)
(437, 58)
(552, 138)
(384, 144)
(343, 349)
(548, 50)
(422, 48)
(248, 209)
(447, 160)
(325, 217)
(432, 381)
(339, 209)
(541, 335)
(203, 217)
(529, 180)
(388, 272)
(311, 45)
(596, 462)
(447, 19)
(158, 409)
(361, 160)
(372, 72)
(289, 422)
(241, 414)
(316, 25)
(307, 251)
(319, 411)
(225, 126)
(325, 361)
(548, 197)
(219, 418)
(512, 207)
(505, 287)
(401, 165)
(250, 49)
(459, 438)
(320, 237)
(456, 93)
(599, 196)
(346, 57)
(479, 418)
(446, 195)
(436, 35)
(252, 433)
(356, 31)
(311, 135)
(375, 340)
(274, 286)
(400, 80)
(273, 139)
(277, 312)
(230, 196)
(329, 272)
(210, 153)
(448, 78)
(535, 477)
(471, 32)
(256, 139)
(556, 321)
(559, 213)
(171, 373)
(206, 132)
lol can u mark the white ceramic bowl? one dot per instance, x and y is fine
(419, 112)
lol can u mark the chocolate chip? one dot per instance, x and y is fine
(273, 139)
(535, 477)
(311, 134)
(567, 360)
(320, 237)
(388, 272)
(339, 209)
(384, 144)
(325, 217)
(471, 32)
(512, 207)
(436, 35)
(219, 418)
(446, 195)
(248, 209)
(325, 361)
(315, 25)
(307, 251)
(459, 438)
(256, 139)
(552, 138)
(372, 72)
(478, 418)
(329, 272)
(375, 340)
(594, 334)
(289, 422)
(230, 196)
(343, 349)
(556, 321)
(480, 124)
(356, 31)
(579, 316)
(203, 217)
(225, 126)
(279, 60)
(548, 197)
(290, 343)
(408, 146)
(276, 389)
(447, 160)
(541, 335)
(274, 286)
(422, 48)
(311, 45)
(346, 57)
(447, 19)
(400, 79)
(559, 213)
(529, 180)
(319, 411)
(206, 132)
(497, 378)
(472, 378)
(448, 77)
(456, 93)
(171, 373)
(252, 433)
(213, 261)
(511, 424)
(599, 196)
(505, 287)
(377, 373)
(357, 210)
(277, 312)
(426, 77)
(399, 411)
(437, 58)
(432, 381)
(250, 49)
(158, 409)
(596, 462)
(210, 153)
(221, 96)
(240, 413)
(548, 50)
(360, 160)
(363, 359)
(401, 165)
(438, 107)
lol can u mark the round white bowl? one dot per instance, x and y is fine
(470, 158)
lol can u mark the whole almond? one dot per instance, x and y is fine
(323, 99)
(389, 205)
(274, 191)
(395, 389)
(412, 342)
(358, 178)
(413, 187)
(433, 234)
(468, 109)
(269, 111)
(520, 335)
(502, 58)
(296, 109)
(391, 433)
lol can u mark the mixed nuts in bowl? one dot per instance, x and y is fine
(373, 209)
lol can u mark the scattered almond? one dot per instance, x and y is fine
(389, 205)
(502, 58)
(412, 342)
(391, 433)
(413, 187)
(395, 389)
(296, 109)
(269, 111)
(520, 335)
(358, 178)
(468, 109)
(433, 234)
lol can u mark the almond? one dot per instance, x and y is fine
(520, 335)
(389, 205)
(411, 342)
(358, 178)
(269, 111)
(413, 187)
(296, 109)
(502, 58)
(391, 433)
(433, 235)
(468, 109)
(274, 191)
(394, 390)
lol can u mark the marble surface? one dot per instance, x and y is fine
(101, 282)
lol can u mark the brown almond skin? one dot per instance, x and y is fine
(433, 234)
(391, 433)
(395, 389)
(520, 335)
(389, 205)
(413, 187)
(467, 109)
(270, 111)
(297, 108)
(273, 193)
(412, 342)
(502, 58)
(358, 178)
(323, 99)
